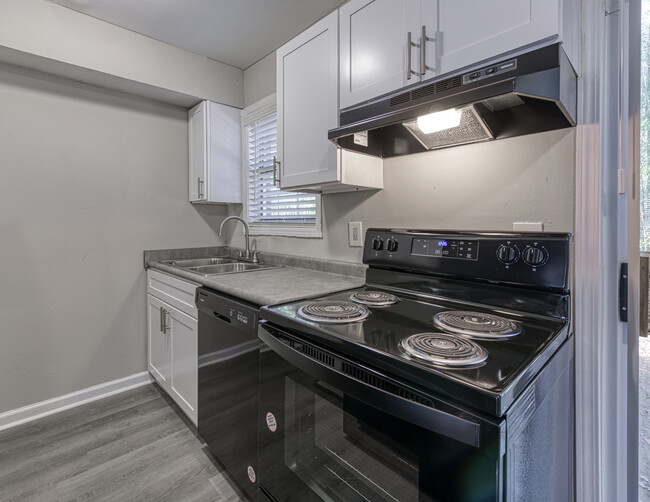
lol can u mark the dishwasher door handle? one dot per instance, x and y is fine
(432, 419)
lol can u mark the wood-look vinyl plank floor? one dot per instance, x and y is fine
(134, 446)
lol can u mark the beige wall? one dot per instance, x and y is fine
(485, 186)
(88, 180)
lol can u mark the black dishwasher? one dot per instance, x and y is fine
(229, 353)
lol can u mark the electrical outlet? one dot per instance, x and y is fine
(355, 235)
(527, 226)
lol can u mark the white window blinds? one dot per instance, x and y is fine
(267, 204)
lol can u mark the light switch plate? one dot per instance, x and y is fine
(527, 226)
(355, 234)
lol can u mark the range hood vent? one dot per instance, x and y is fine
(525, 94)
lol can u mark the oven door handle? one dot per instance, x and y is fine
(440, 422)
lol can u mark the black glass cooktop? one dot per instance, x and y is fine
(491, 385)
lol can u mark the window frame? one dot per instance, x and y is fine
(256, 111)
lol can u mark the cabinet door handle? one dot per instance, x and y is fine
(276, 166)
(409, 44)
(162, 322)
(423, 51)
(166, 320)
(200, 187)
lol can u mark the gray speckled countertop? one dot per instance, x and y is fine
(297, 277)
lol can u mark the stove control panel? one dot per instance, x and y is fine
(515, 258)
(463, 249)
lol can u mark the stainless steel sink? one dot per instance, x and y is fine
(229, 268)
(216, 266)
(197, 262)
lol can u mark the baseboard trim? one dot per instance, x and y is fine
(42, 409)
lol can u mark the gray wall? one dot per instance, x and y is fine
(259, 80)
(485, 186)
(88, 180)
(60, 41)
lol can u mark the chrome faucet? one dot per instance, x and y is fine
(247, 255)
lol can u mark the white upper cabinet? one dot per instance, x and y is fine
(445, 35)
(307, 108)
(307, 100)
(214, 153)
(470, 31)
(375, 52)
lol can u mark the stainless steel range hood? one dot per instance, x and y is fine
(524, 94)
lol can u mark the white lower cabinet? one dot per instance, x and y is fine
(184, 342)
(160, 358)
(172, 338)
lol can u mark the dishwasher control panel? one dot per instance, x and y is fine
(237, 313)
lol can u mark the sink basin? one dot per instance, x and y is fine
(216, 266)
(197, 262)
(229, 268)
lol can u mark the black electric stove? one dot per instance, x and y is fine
(490, 385)
(464, 335)
(536, 304)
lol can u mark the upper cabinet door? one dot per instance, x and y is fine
(198, 149)
(214, 153)
(307, 99)
(470, 31)
(223, 184)
(374, 48)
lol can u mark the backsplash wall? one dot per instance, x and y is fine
(485, 186)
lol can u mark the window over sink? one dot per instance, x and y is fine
(268, 209)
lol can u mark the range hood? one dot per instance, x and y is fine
(517, 95)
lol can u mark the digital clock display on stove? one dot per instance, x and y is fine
(446, 248)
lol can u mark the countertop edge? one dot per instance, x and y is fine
(338, 283)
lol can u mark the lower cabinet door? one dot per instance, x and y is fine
(173, 353)
(159, 357)
(184, 361)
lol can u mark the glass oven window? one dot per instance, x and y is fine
(341, 456)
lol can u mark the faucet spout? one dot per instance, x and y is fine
(247, 255)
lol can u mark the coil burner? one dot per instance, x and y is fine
(444, 350)
(333, 312)
(476, 325)
(374, 298)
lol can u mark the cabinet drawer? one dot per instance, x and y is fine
(177, 292)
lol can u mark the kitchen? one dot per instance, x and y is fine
(109, 180)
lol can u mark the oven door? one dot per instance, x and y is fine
(334, 430)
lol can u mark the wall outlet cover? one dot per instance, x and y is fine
(355, 234)
(527, 226)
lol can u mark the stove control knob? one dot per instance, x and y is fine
(535, 256)
(391, 245)
(377, 244)
(507, 254)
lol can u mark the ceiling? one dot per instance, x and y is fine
(236, 32)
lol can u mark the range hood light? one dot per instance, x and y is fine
(468, 129)
(439, 121)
